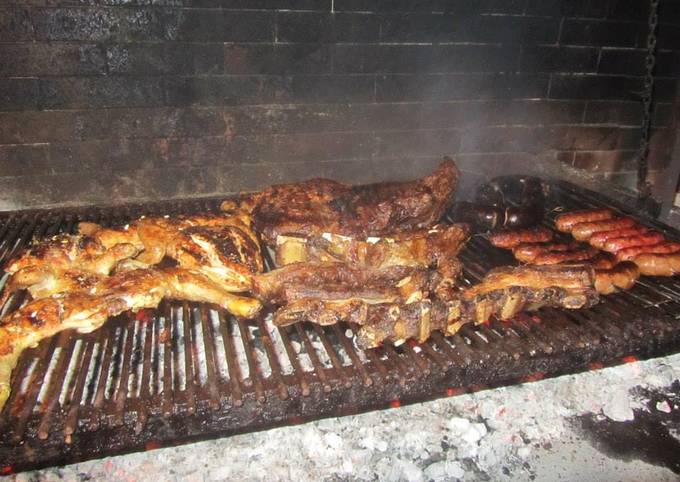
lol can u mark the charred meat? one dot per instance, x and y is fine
(319, 206)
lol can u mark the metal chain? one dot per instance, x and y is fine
(644, 188)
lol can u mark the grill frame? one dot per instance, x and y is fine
(638, 324)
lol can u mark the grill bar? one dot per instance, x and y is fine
(187, 371)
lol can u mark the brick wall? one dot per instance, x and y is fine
(102, 100)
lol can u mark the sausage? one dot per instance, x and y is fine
(526, 252)
(622, 276)
(564, 222)
(603, 261)
(512, 238)
(667, 247)
(584, 231)
(598, 239)
(617, 244)
(557, 257)
(652, 264)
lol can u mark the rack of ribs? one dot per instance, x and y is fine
(502, 293)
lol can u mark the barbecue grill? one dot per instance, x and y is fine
(186, 371)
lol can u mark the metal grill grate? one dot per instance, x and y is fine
(187, 371)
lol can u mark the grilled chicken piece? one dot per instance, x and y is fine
(224, 248)
(503, 293)
(321, 205)
(88, 309)
(63, 261)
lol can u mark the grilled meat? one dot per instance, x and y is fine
(61, 262)
(509, 239)
(224, 248)
(658, 264)
(620, 277)
(87, 309)
(667, 247)
(583, 231)
(324, 206)
(566, 222)
(341, 281)
(503, 293)
(422, 247)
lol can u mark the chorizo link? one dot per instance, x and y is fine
(584, 231)
(652, 264)
(510, 239)
(622, 276)
(526, 252)
(564, 222)
(557, 257)
(617, 244)
(628, 254)
(598, 239)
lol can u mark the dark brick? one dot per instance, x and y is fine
(15, 24)
(668, 64)
(337, 88)
(473, 58)
(605, 161)
(632, 62)
(603, 34)
(83, 23)
(269, 148)
(669, 11)
(219, 26)
(440, 142)
(666, 90)
(422, 58)
(321, 118)
(165, 58)
(568, 8)
(97, 24)
(424, 28)
(38, 59)
(166, 122)
(634, 10)
(661, 144)
(564, 86)
(104, 154)
(465, 7)
(616, 113)
(565, 157)
(491, 113)
(663, 115)
(558, 59)
(468, 28)
(626, 62)
(309, 27)
(389, 5)
(459, 7)
(668, 37)
(277, 59)
(95, 92)
(459, 86)
(539, 139)
(21, 160)
(46, 126)
(224, 90)
(18, 94)
(513, 29)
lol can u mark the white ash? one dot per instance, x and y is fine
(492, 434)
(279, 347)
